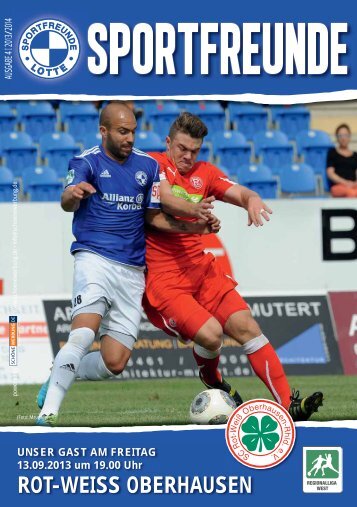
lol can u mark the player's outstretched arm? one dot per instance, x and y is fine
(249, 200)
(73, 195)
(160, 221)
(177, 206)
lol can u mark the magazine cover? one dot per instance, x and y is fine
(178, 253)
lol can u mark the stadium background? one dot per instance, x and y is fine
(298, 273)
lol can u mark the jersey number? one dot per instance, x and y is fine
(77, 301)
(155, 193)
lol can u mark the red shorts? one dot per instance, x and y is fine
(179, 302)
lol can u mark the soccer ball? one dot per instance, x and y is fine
(211, 407)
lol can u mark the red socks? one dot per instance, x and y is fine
(263, 359)
(207, 362)
(267, 366)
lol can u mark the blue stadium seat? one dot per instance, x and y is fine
(232, 149)
(7, 118)
(313, 145)
(292, 119)
(28, 172)
(145, 106)
(186, 105)
(140, 108)
(298, 178)
(248, 118)
(58, 148)
(274, 148)
(205, 152)
(148, 141)
(92, 139)
(41, 184)
(212, 114)
(18, 150)
(65, 106)
(258, 178)
(37, 118)
(268, 138)
(79, 119)
(13, 104)
(274, 109)
(160, 116)
(6, 180)
(139, 115)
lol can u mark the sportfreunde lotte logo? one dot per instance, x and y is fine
(49, 48)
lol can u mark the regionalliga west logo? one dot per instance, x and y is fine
(260, 434)
(49, 48)
(322, 470)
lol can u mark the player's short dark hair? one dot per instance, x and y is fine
(190, 124)
(342, 126)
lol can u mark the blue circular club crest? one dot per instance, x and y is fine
(49, 48)
(141, 178)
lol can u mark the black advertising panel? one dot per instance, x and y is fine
(299, 328)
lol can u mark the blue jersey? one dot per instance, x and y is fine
(111, 221)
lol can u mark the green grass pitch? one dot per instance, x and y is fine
(162, 402)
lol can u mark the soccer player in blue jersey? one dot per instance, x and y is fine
(113, 190)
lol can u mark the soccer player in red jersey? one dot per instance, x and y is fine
(187, 293)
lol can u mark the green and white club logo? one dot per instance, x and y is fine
(322, 470)
(260, 434)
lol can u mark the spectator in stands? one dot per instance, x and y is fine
(342, 165)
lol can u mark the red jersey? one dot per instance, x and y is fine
(167, 251)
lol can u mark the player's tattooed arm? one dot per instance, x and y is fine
(250, 201)
(73, 195)
(160, 221)
(177, 206)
